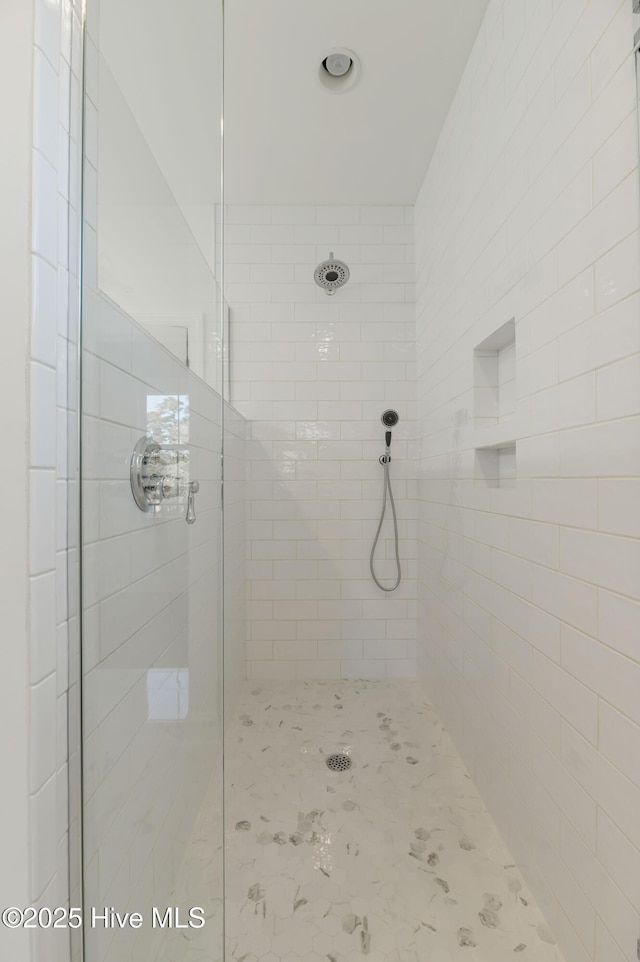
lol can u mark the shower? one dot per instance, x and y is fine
(331, 274)
(389, 418)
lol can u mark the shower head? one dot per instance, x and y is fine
(389, 418)
(331, 274)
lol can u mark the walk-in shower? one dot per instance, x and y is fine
(341, 608)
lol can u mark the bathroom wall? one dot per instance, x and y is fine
(16, 55)
(530, 585)
(53, 776)
(235, 588)
(152, 584)
(313, 374)
(152, 621)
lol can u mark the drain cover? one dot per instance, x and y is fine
(339, 763)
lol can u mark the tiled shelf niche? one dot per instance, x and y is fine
(494, 407)
(496, 467)
(494, 376)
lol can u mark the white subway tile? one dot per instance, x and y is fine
(571, 600)
(616, 158)
(272, 670)
(45, 108)
(605, 784)
(338, 215)
(42, 533)
(568, 502)
(565, 405)
(42, 761)
(43, 430)
(295, 650)
(599, 232)
(619, 506)
(365, 668)
(608, 53)
(47, 29)
(607, 949)
(602, 559)
(43, 626)
(617, 273)
(602, 892)
(44, 838)
(610, 449)
(569, 795)
(573, 700)
(44, 228)
(618, 622)
(609, 674)
(619, 741)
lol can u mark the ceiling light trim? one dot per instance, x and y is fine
(339, 85)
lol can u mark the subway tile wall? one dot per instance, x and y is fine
(530, 595)
(53, 487)
(152, 625)
(152, 604)
(313, 373)
(235, 537)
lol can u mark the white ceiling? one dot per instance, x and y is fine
(165, 56)
(290, 141)
(287, 139)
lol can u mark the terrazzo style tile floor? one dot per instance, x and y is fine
(394, 860)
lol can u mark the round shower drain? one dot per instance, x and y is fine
(339, 763)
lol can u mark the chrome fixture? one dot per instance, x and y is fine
(389, 418)
(331, 274)
(194, 487)
(158, 474)
(339, 762)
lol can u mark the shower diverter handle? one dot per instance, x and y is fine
(194, 487)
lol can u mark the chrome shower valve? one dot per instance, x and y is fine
(155, 477)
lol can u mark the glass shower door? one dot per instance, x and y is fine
(152, 338)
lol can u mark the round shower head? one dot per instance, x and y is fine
(331, 274)
(389, 418)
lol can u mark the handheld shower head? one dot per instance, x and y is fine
(389, 418)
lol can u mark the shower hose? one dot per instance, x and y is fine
(384, 460)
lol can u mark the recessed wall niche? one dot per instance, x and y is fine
(494, 376)
(496, 467)
(494, 400)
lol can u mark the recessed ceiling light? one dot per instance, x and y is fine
(339, 70)
(337, 64)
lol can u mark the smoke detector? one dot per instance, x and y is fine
(339, 70)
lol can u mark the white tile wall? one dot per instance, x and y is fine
(55, 868)
(152, 621)
(313, 374)
(529, 615)
(544, 226)
(152, 602)
(235, 589)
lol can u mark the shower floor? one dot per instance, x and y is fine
(395, 860)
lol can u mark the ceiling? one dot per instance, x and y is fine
(290, 141)
(287, 139)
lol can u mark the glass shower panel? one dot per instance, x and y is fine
(152, 420)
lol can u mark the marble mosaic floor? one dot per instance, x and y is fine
(396, 860)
